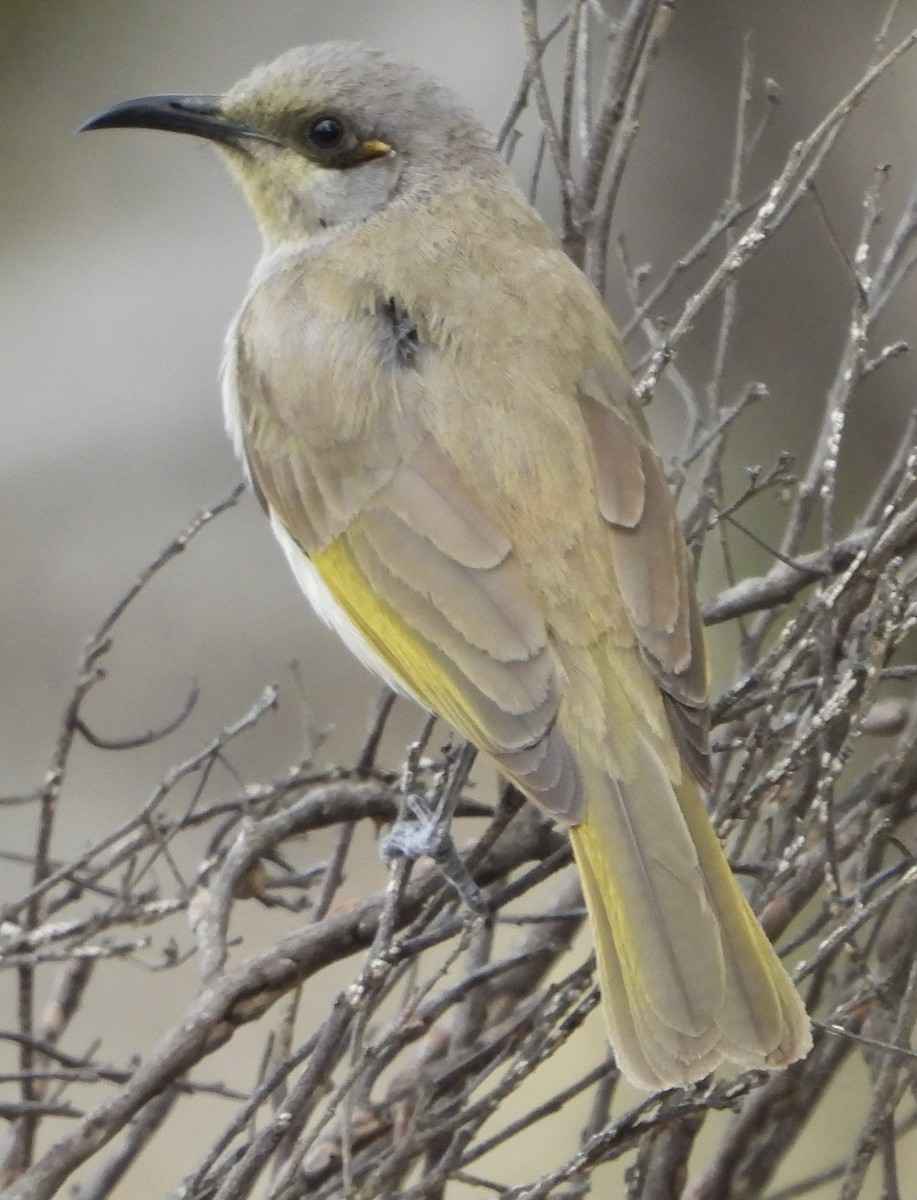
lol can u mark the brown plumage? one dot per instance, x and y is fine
(434, 411)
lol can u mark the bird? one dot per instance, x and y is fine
(432, 406)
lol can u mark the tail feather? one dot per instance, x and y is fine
(688, 976)
(762, 1002)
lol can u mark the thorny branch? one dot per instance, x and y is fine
(456, 1036)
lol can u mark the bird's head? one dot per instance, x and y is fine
(323, 136)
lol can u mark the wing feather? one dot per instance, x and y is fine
(650, 563)
(428, 494)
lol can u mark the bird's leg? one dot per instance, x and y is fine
(423, 826)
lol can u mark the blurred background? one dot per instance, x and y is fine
(123, 257)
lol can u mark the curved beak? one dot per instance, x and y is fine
(197, 115)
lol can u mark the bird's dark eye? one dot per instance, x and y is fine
(326, 133)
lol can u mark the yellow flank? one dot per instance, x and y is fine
(406, 654)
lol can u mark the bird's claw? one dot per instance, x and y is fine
(426, 834)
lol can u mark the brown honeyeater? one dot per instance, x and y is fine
(433, 409)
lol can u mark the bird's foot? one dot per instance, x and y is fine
(423, 830)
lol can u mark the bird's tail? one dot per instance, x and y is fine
(688, 976)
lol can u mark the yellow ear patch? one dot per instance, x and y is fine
(367, 151)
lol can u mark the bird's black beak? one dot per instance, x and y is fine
(197, 115)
